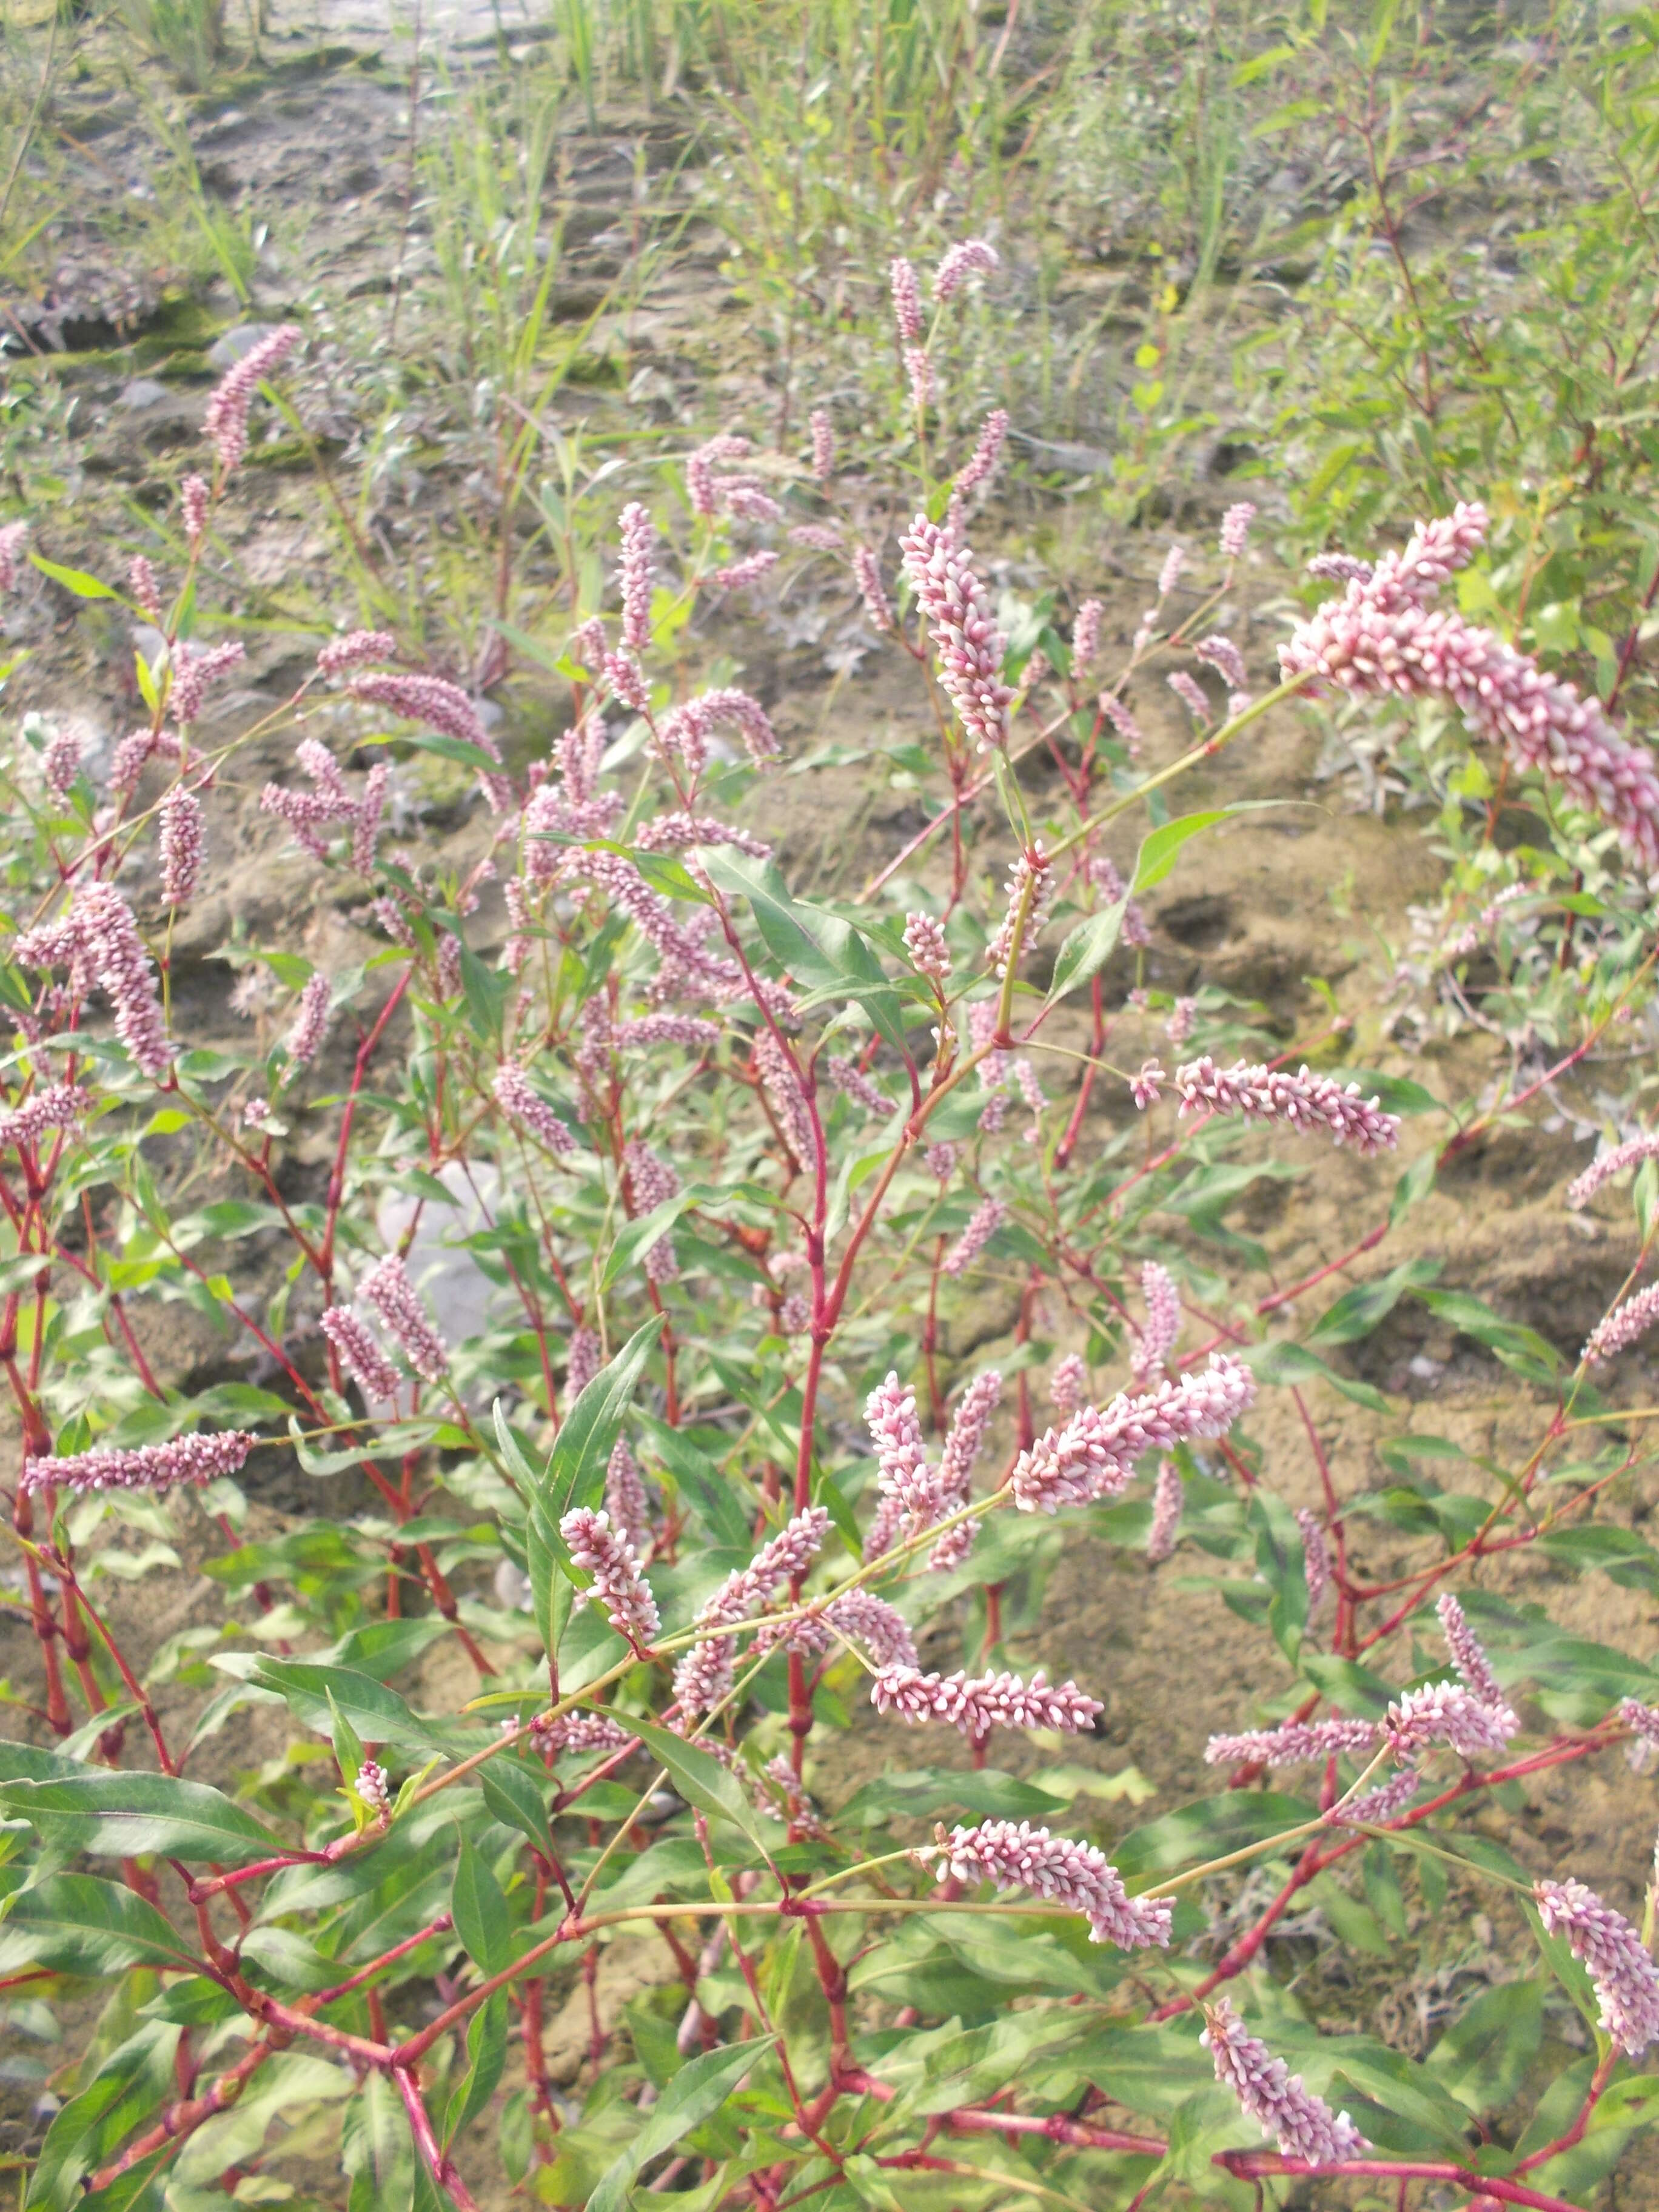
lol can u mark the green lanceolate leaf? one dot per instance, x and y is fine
(703, 1782)
(130, 1815)
(74, 1923)
(481, 1916)
(694, 2094)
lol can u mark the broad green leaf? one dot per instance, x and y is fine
(72, 580)
(1209, 1828)
(694, 2094)
(1161, 846)
(1086, 950)
(1281, 1564)
(1358, 1311)
(636, 1237)
(818, 949)
(1485, 2057)
(1286, 1365)
(482, 1920)
(129, 1815)
(703, 1782)
(126, 2090)
(515, 1796)
(575, 1471)
(318, 1696)
(76, 1924)
(486, 2062)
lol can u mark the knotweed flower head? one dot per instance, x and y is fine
(354, 649)
(1468, 1653)
(981, 464)
(397, 1305)
(924, 941)
(618, 1584)
(1158, 1339)
(1174, 563)
(1094, 1455)
(866, 574)
(61, 1106)
(1167, 1496)
(940, 1160)
(360, 1356)
(651, 1183)
(582, 1362)
(517, 1096)
(1190, 694)
(919, 367)
(823, 445)
(193, 501)
(1315, 1558)
(1085, 634)
(881, 1627)
(625, 1500)
(107, 938)
(225, 422)
(969, 257)
(1074, 1876)
(1448, 1713)
(906, 294)
(156, 1467)
(1612, 1161)
(183, 845)
(738, 575)
(193, 668)
(1223, 656)
(305, 1039)
(848, 1076)
(1031, 886)
(965, 637)
(1068, 1383)
(1302, 2126)
(976, 1704)
(987, 1218)
(700, 483)
(1306, 1102)
(1293, 1743)
(1236, 529)
(60, 764)
(901, 1471)
(1622, 1976)
(1143, 1088)
(635, 576)
(443, 707)
(146, 592)
(1378, 1807)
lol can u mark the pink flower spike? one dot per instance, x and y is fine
(1236, 529)
(1223, 656)
(881, 1627)
(823, 445)
(1190, 695)
(1166, 1513)
(1293, 1743)
(305, 1039)
(517, 1096)
(1305, 1102)
(1175, 561)
(618, 1584)
(1075, 1875)
(225, 422)
(352, 650)
(635, 576)
(901, 1472)
(906, 301)
(983, 463)
(987, 1218)
(1085, 634)
(1303, 2125)
(63, 1106)
(977, 1704)
(1095, 1455)
(924, 941)
(969, 257)
(183, 845)
(866, 574)
(1315, 1558)
(1468, 1653)
(1448, 1713)
(397, 1305)
(361, 1358)
(1612, 1161)
(919, 367)
(108, 937)
(1622, 1976)
(1158, 1339)
(443, 707)
(965, 637)
(14, 536)
(1067, 1384)
(193, 499)
(1143, 1088)
(190, 1459)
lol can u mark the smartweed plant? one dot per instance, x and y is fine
(614, 1237)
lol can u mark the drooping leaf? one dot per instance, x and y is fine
(129, 1815)
(695, 2094)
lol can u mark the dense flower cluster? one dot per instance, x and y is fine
(1623, 1975)
(618, 1584)
(1094, 1455)
(396, 1304)
(1292, 1743)
(1076, 1876)
(1302, 2126)
(225, 422)
(976, 1704)
(1304, 1102)
(965, 636)
(193, 1459)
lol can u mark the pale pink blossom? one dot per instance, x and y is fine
(1030, 886)
(308, 813)
(952, 1486)
(582, 1362)
(61, 1106)
(901, 1470)
(1622, 1974)
(618, 1585)
(1448, 1713)
(848, 1076)
(686, 729)
(816, 537)
(225, 422)
(1220, 653)
(976, 1704)
(1340, 569)
(987, 1218)
(635, 576)
(441, 706)
(1306, 1102)
(362, 1357)
(981, 464)
(190, 1459)
(867, 573)
(1068, 1383)
(651, 1183)
(924, 941)
(1143, 1088)
(919, 367)
(1315, 1558)
(1468, 1653)
(518, 1098)
(398, 1307)
(689, 1030)
(907, 300)
(1085, 634)
(1612, 1161)
(352, 650)
(704, 1676)
(940, 1160)
(1167, 1495)
(366, 822)
(968, 257)
(738, 575)
(1182, 1016)
(60, 764)
(183, 845)
(1175, 561)
(1383, 1804)
(625, 1499)
(193, 499)
(700, 482)
(146, 592)
(371, 1785)
(1301, 2124)
(577, 1732)
(305, 1039)
(823, 445)
(108, 940)
(1075, 1875)
(1292, 1743)
(965, 637)
(1190, 695)
(1158, 1339)
(1095, 1455)
(193, 668)
(1236, 529)
(1123, 722)
(881, 1627)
